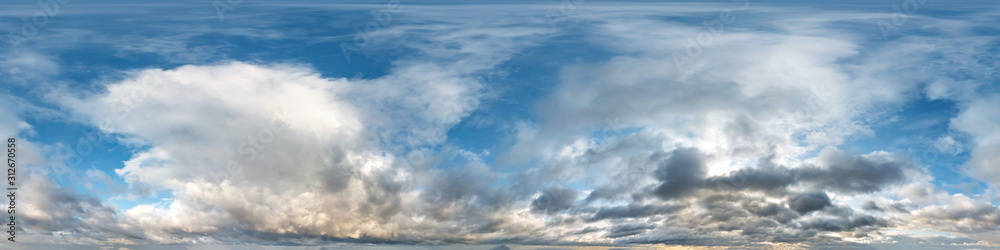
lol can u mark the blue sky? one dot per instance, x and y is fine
(457, 124)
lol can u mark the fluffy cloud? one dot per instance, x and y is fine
(555, 199)
(805, 203)
(754, 106)
(980, 119)
(838, 171)
(737, 146)
(275, 149)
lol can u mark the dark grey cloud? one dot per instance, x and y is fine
(469, 187)
(765, 229)
(808, 202)
(555, 199)
(961, 214)
(450, 186)
(607, 192)
(778, 212)
(338, 172)
(855, 173)
(759, 220)
(838, 224)
(68, 211)
(840, 171)
(766, 177)
(634, 211)
(682, 171)
(383, 194)
(870, 205)
(723, 206)
(628, 230)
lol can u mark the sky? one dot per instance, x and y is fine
(580, 124)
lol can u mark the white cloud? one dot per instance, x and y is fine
(981, 120)
(303, 155)
(749, 94)
(297, 153)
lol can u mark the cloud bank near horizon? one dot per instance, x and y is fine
(615, 125)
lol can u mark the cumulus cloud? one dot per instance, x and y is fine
(839, 171)
(244, 141)
(554, 199)
(251, 151)
(680, 173)
(47, 208)
(634, 211)
(740, 145)
(805, 203)
(755, 106)
(980, 120)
